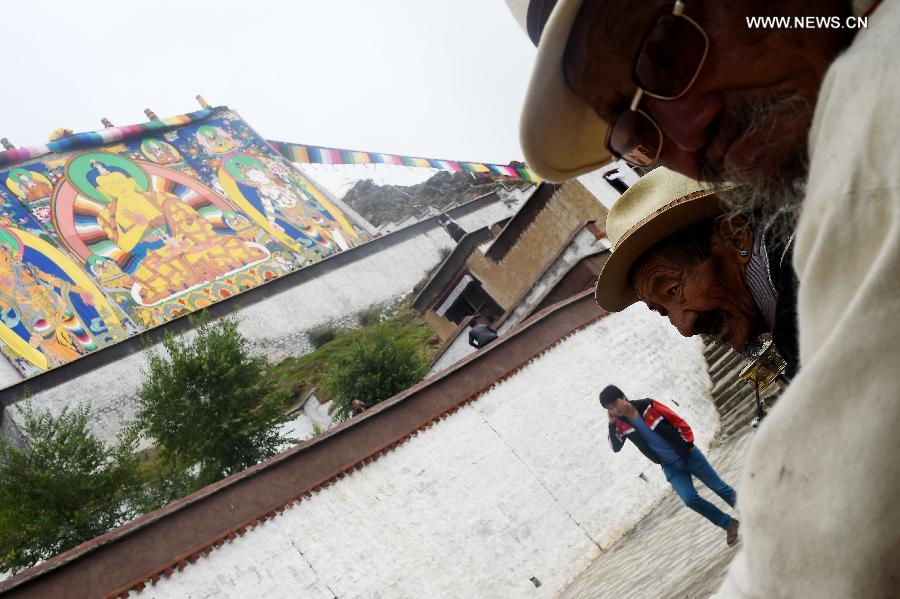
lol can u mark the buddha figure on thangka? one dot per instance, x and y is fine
(265, 190)
(159, 151)
(50, 310)
(122, 217)
(28, 185)
(33, 189)
(215, 140)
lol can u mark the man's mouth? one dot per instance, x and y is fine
(711, 323)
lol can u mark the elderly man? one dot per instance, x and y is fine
(685, 257)
(703, 88)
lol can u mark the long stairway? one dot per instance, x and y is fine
(734, 397)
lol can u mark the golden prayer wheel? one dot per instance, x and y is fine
(764, 369)
(761, 372)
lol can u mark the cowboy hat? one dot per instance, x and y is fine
(560, 134)
(659, 204)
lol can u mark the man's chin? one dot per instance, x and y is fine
(749, 346)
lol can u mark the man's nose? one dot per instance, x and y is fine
(683, 320)
(685, 121)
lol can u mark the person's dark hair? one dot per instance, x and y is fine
(689, 246)
(609, 395)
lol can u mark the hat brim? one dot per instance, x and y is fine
(561, 135)
(613, 293)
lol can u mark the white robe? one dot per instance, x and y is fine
(820, 495)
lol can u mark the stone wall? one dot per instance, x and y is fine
(380, 273)
(585, 243)
(514, 490)
(443, 327)
(506, 281)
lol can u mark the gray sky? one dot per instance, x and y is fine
(428, 78)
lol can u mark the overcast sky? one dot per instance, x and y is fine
(428, 78)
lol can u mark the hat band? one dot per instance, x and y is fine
(538, 13)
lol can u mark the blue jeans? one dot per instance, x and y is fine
(679, 474)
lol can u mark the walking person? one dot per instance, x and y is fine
(667, 440)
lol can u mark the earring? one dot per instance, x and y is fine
(744, 253)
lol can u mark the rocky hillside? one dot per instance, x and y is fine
(381, 204)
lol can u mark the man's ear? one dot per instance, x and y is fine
(735, 231)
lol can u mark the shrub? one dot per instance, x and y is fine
(321, 335)
(378, 365)
(208, 405)
(370, 316)
(67, 488)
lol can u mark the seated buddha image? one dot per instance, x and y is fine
(168, 246)
(215, 140)
(109, 274)
(282, 200)
(159, 152)
(28, 185)
(36, 308)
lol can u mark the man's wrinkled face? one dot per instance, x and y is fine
(746, 116)
(707, 298)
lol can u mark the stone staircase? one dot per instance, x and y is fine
(734, 397)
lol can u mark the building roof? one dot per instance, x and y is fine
(520, 221)
(450, 268)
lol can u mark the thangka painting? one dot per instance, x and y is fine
(111, 239)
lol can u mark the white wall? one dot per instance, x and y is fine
(520, 483)
(278, 326)
(597, 185)
(458, 349)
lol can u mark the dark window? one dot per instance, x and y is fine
(616, 179)
(474, 300)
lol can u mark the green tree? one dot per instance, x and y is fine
(207, 404)
(68, 487)
(378, 365)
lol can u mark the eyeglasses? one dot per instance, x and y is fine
(670, 58)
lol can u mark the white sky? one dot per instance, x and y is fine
(427, 78)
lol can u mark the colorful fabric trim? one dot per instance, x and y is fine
(294, 152)
(318, 155)
(98, 138)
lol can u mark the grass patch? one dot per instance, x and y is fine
(296, 376)
(321, 335)
(370, 316)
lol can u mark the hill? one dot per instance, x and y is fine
(381, 204)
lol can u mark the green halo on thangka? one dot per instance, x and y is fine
(236, 164)
(16, 172)
(11, 242)
(96, 260)
(83, 170)
(207, 131)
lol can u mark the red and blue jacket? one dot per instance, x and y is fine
(666, 423)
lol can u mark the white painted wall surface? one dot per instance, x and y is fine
(305, 421)
(278, 326)
(521, 483)
(603, 191)
(458, 349)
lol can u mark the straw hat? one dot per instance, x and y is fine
(659, 204)
(561, 135)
